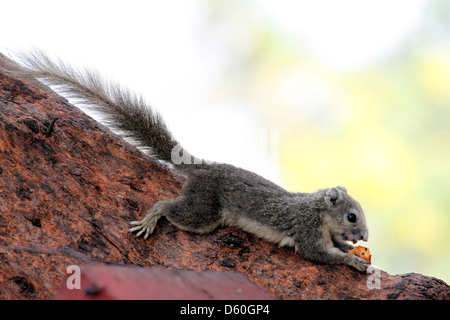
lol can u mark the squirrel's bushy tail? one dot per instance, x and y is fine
(122, 110)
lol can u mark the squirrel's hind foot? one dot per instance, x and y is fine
(147, 225)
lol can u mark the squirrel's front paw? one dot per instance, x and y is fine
(358, 263)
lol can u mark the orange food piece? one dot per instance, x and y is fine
(362, 252)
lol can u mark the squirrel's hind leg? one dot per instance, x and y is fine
(147, 225)
(185, 213)
(194, 214)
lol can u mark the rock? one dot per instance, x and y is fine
(69, 188)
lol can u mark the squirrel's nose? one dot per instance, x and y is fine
(365, 236)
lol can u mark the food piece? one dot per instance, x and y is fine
(361, 252)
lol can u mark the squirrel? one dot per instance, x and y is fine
(319, 225)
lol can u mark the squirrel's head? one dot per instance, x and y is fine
(345, 218)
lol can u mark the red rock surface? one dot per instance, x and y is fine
(67, 196)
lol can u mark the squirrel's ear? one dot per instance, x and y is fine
(342, 188)
(332, 196)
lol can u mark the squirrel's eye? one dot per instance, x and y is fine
(351, 217)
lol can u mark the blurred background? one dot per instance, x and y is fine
(309, 94)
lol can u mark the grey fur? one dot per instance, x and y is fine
(120, 108)
(316, 224)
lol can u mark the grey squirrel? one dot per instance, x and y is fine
(319, 225)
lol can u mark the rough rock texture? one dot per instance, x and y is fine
(68, 193)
